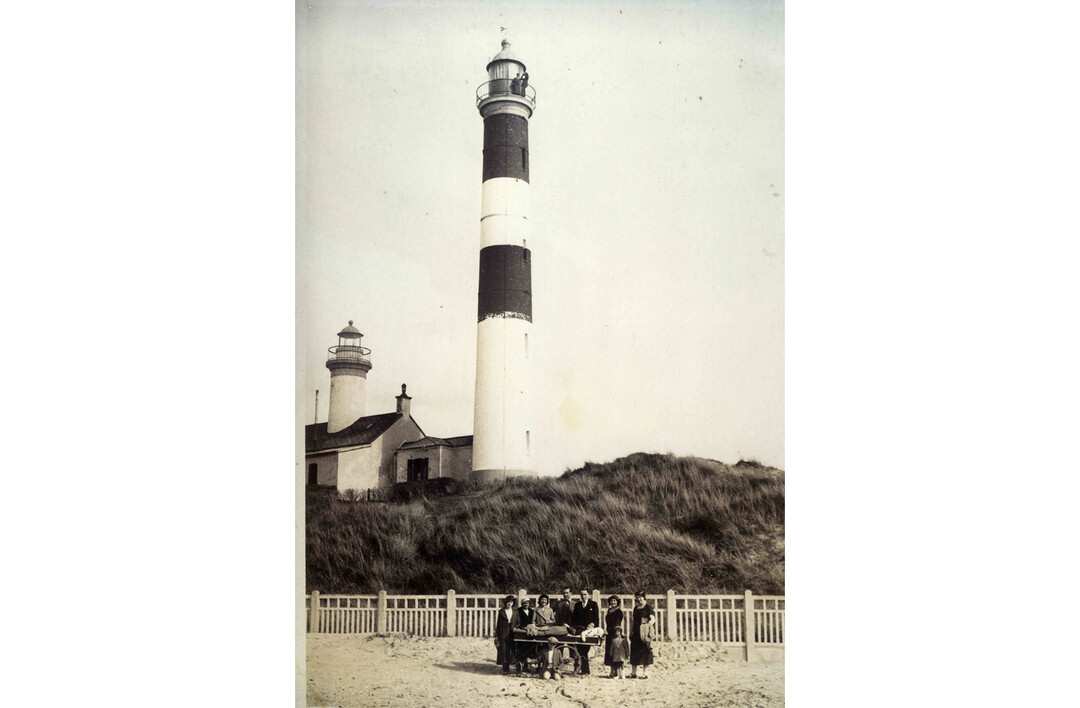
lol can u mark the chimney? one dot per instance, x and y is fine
(403, 402)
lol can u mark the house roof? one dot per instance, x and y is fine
(364, 431)
(431, 441)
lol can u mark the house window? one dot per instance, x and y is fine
(418, 469)
(313, 474)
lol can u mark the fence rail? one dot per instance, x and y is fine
(734, 620)
(711, 618)
(769, 620)
(422, 615)
(343, 614)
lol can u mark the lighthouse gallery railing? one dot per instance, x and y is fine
(503, 87)
(345, 352)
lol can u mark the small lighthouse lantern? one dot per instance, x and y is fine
(348, 346)
(508, 82)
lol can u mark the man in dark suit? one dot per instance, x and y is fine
(564, 609)
(508, 620)
(585, 615)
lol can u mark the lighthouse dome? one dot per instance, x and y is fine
(505, 55)
(350, 332)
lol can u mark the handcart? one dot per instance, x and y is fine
(532, 650)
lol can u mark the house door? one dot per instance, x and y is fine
(418, 469)
(313, 474)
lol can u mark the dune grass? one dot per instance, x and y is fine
(654, 522)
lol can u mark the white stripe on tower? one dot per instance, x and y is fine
(502, 431)
(504, 212)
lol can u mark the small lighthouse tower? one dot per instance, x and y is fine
(348, 364)
(502, 444)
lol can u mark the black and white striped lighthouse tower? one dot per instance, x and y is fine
(502, 431)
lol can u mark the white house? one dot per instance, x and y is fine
(354, 451)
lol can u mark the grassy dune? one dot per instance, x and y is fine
(644, 521)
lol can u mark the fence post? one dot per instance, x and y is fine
(522, 594)
(380, 613)
(313, 625)
(599, 605)
(748, 611)
(671, 622)
(451, 614)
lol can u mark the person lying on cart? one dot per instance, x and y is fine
(544, 622)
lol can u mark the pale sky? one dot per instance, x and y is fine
(657, 203)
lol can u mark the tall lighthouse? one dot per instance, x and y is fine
(502, 429)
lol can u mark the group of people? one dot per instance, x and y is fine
(578, 618)
(519, 83)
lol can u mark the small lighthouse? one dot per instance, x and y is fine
(348, 364)
(502, 429)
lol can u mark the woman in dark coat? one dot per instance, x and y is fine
(508, 620)
(641, 649)
(613, 619)
(526, 614)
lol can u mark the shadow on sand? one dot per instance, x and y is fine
(473, 667)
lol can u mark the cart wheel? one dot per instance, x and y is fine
(523, 658)
(571, 663)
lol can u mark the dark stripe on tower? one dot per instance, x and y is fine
(506, 146)
(505, 283)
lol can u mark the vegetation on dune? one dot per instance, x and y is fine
(655, 522)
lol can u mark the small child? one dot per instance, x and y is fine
(551, 659)
(620, 653)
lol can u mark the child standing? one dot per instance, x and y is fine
(620, 652)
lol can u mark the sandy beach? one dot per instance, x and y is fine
(398, 670)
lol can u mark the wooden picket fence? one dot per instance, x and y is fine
(736, 620)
